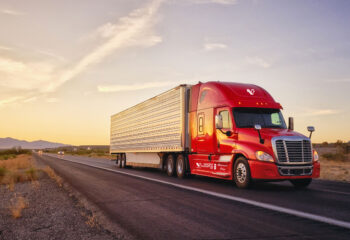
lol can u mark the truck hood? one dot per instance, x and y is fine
(251, 136)
(268, 133)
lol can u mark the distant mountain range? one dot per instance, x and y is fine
(6, 143)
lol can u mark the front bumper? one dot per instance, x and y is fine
(271, 171)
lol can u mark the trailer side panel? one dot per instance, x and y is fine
(155, 125)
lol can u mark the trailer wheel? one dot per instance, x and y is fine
(241, 173)
(170, 165)
(301, 183)
(180, 166)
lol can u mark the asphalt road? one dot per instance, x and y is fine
(150, 205)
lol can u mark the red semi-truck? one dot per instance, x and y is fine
(223, 130)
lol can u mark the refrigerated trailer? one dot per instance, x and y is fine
(224, 130)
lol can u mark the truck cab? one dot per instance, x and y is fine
(238, 132)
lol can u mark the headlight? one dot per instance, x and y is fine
(263, 156)
(315, 156)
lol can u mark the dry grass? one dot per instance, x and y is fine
(96, 155)
(53, 175)
(20, 162)
(335, 162)
(36, 184)
(335, 170)
(17, 205)
(19, 169)
(92, 221)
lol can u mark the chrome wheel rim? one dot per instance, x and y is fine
(241, 173)
(180, 167)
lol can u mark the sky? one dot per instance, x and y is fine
(67, 66)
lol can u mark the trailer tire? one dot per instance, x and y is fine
(170, 165)
(301, 183)
(180, 166)
(241, 173)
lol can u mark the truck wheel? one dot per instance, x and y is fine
(301, 183)
(170, 165)
(180, 166)
(241, 173)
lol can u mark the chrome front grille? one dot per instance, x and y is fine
(292, 150)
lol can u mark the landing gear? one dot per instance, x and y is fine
(301, 183)
(241, 173)
(121, 160)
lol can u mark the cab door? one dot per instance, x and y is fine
(226, 143)
(205, 132)
(205, 142)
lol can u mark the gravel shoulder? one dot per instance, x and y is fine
(47, 211)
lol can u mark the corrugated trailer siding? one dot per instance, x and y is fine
(156, 125)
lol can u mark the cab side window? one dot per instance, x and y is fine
(226, 119)
(275, 119)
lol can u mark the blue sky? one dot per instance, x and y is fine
(65, 66)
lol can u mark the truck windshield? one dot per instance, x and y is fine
(266, 117)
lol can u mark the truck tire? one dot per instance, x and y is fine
(180, 166)
(170, 165)
(241, 173)
(301, 183)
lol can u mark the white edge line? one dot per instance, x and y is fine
(297, 213)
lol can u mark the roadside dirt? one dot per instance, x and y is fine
(41, 209)
(335, 170)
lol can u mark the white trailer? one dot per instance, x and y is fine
(141, 135)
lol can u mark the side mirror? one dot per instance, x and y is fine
(311, 129)
(257, 127)
(218, 122)
(291, 123)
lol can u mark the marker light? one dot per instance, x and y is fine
(263, 156)
(315, 156)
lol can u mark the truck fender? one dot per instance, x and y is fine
(237, 154)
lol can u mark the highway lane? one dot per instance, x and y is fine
(325, 198)
(152, 210)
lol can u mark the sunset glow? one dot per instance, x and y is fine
(66, 67)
